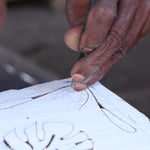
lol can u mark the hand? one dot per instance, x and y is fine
(2, 12)
(113, 28)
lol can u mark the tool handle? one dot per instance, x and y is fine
(92, 2)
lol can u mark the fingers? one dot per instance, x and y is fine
(88, 68)
(101, 71)
(82, 83)
(95, 65)
(76, 11)
(2, 12)
(72, 37)
(104, 69)
(99, 21)
(98, 24)
(123, 33)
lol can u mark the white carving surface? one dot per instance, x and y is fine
(52, 116)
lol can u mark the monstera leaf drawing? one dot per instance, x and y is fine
(53, 136)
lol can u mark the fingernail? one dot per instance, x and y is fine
(78, 86)
(78, 77)
(87, 50)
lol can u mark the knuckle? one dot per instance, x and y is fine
(117, 32)
(111, 44)
(117, 56)
(114, 59)
(124, 48)
(120, 53)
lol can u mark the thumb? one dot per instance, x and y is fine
(72, 37)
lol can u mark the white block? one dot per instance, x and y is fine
(53, 116)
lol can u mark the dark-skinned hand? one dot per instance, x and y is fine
(113, 28)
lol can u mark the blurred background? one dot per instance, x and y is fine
(32, 51)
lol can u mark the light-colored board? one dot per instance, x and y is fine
(52, 116)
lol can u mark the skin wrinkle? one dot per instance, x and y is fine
(114, 35)
(75, 15)
(109, 47)
(106, 66)
(100, 59)
(100, 18)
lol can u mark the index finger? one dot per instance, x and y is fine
(98, 24)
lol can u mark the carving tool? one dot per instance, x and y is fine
(92, 2)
